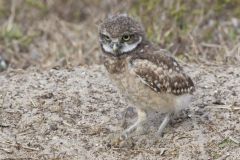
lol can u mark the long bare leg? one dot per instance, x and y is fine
(164, 123)
(142, 117)
(125, 113)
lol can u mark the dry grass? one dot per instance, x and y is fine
(62, 33)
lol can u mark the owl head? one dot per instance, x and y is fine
(120, 34)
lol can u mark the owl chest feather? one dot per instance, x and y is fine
(120, 73)
(135, 90)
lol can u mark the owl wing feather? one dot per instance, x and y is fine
(162, 74)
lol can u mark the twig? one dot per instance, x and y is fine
(3, 98)
(139, 150)
(234, 140)
(33, 103)
(194, 44)
(6, 150)
(224, 157)
(30, 148)
(5, 125)
(229, 107)
(1, 107)
(12, 16)
(211, 45)
(17, 145)
(235, 49)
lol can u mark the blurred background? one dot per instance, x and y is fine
(64, 33)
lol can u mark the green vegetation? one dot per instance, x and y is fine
(226, 142)
(37, 4)
(191, 30)
(183, 15)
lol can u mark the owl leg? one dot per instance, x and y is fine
(142, 117)
(164, 123)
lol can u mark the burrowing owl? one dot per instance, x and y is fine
(150, 78)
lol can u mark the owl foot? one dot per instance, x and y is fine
(163, 125)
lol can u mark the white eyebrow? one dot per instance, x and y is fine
(130, 47)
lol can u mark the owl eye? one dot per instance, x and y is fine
(107, 38)
(126, 37)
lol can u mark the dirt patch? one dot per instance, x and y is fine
(73, 113)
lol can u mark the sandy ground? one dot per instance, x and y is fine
(75, 113)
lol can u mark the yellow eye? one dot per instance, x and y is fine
(126, 37)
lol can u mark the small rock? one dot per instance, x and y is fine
(3, 64)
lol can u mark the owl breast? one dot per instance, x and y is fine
(138, 93)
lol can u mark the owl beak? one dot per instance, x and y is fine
(115, 47)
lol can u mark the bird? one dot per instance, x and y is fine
(148, 76)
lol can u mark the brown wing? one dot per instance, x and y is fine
(162, 74)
